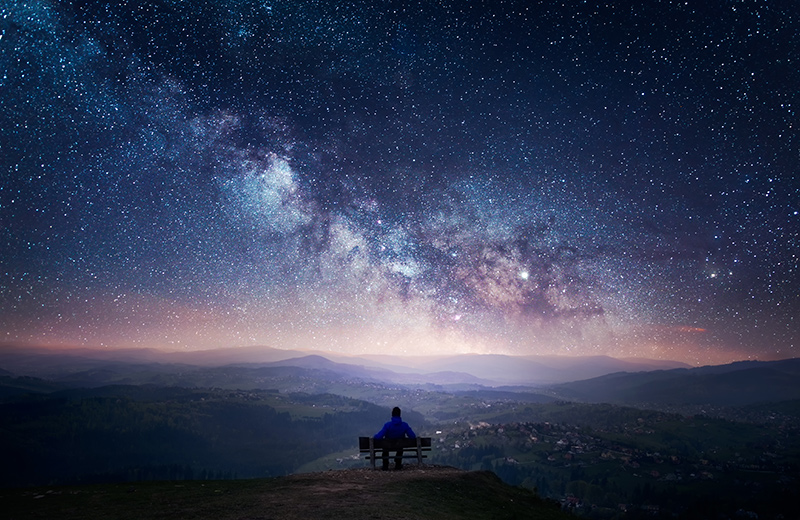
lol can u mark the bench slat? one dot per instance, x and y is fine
(370, 446)
(363, 442)
(392, 457)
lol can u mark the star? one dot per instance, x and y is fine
(552, 179)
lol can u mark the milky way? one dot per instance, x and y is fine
(402, 177)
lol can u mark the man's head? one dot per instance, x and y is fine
(395, 412)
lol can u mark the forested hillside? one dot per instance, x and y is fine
(141, 433)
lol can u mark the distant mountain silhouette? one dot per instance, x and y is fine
(735, 384)
(111, 365)
(497, 369)
(379, 374)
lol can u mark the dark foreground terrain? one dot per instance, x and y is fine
(425, 492)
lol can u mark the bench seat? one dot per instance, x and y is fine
(369, 445)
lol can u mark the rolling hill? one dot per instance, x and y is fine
(735, 384)
(471, 369)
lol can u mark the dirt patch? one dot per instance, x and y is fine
(354, 493)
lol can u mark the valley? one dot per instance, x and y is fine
(102, 421)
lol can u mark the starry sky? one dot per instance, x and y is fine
(430, 177)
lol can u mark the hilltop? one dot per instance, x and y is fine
(424, 492)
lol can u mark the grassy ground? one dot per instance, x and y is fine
(425, 492)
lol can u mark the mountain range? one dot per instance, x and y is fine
(735, 384)
(477, 369)
(595, 379)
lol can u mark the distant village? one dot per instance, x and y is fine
(570, 448)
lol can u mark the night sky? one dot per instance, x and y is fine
(430, 177)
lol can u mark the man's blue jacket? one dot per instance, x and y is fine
(395, 429)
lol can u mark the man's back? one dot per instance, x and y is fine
(395, 429)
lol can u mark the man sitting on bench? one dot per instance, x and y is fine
(394, 430)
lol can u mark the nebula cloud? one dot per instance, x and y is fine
(357, 178)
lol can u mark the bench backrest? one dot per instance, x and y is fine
(424, 442)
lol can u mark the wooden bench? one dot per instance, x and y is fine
(370, 445)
